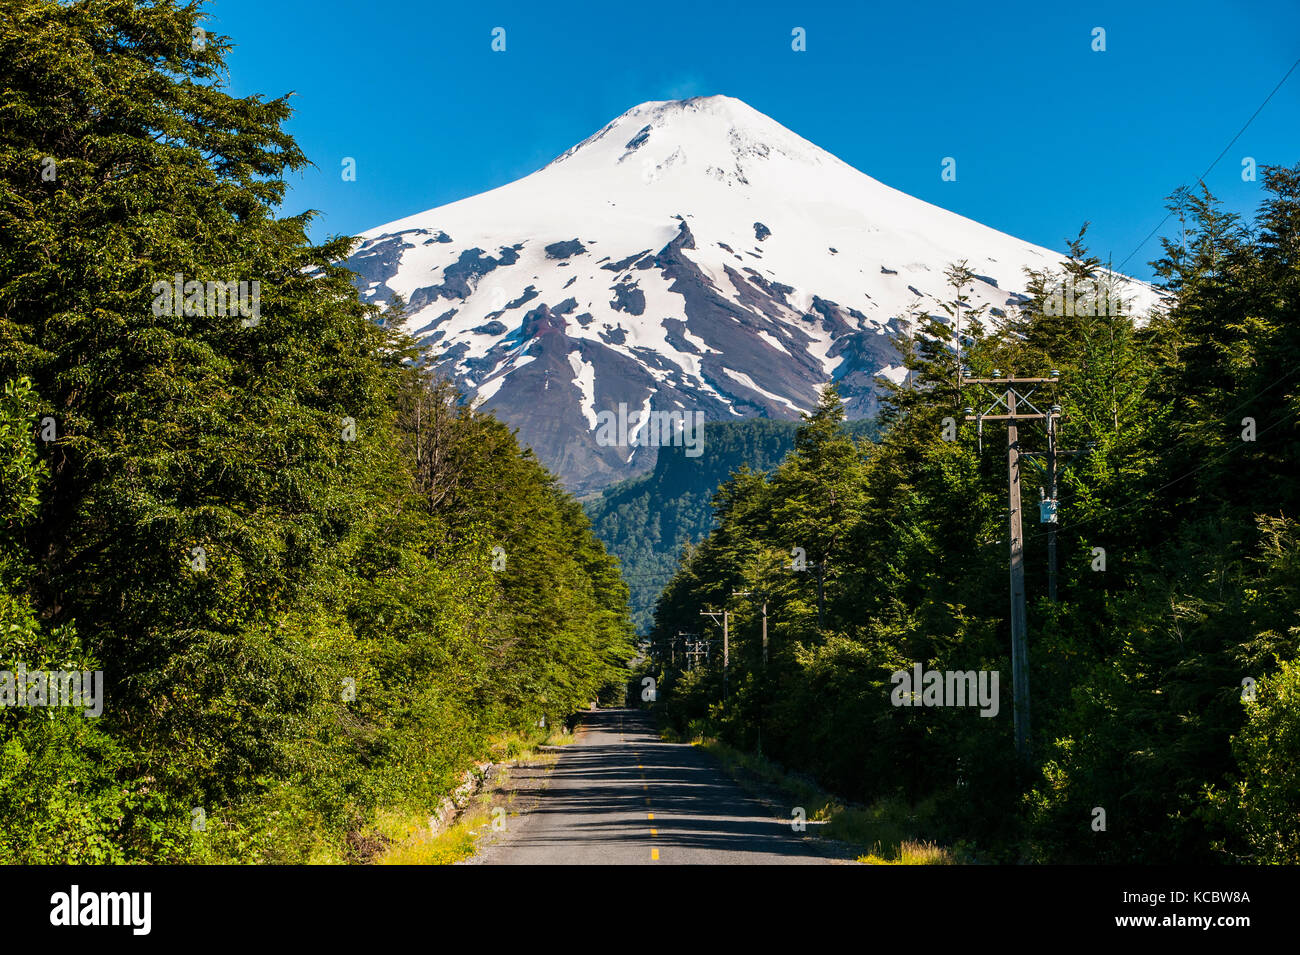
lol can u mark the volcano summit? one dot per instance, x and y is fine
(691, 256)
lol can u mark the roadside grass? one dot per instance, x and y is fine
(506, 748)
(884, 833)
(419, 846)
(411, 838)
(913, 853)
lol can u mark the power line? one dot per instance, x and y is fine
(1168, 484)
(1229, 413)
(1216, 161)
(1116, 270)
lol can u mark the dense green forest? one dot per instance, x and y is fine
(316, 583)
(647, 521)
(1164, 680)
(319, 585)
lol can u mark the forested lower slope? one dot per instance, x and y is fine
(647, 522)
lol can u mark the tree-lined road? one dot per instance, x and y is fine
(619, 795)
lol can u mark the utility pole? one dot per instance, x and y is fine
(1051, 497)
(1013, 395)
(1019, 621)
(694, 651)
(681, 635)
(1047, 507)
(726, 644)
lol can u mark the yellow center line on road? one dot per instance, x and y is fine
(654, 855)
(654, 832)
(650, 815)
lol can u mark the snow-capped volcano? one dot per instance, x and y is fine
(692, 256)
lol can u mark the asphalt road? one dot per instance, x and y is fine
(620, 796)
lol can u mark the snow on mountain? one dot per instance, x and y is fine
(693, 255)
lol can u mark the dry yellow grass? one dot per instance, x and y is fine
(887, 827)
(422, 847)
(414, 843)
(911, 853)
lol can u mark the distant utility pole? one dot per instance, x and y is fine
(682, 637)
(696, 649)
(1013, 396)
(726, 643)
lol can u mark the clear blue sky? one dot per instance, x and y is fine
(1046, 132)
